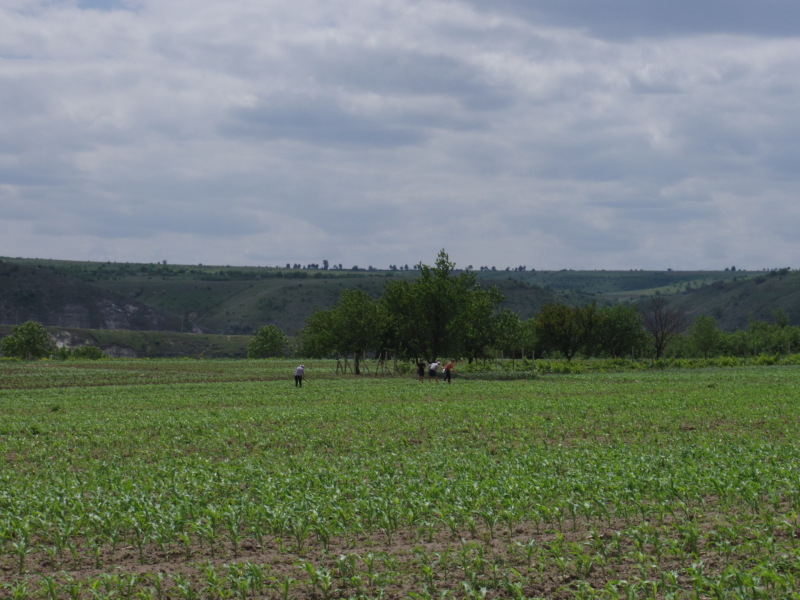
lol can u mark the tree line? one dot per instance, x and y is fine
(447, 314)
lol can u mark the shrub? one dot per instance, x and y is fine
(28, 341)
(88, 353)
(269, 341)
(793, 359)
(765, 360)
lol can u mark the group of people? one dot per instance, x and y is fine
(433, 370)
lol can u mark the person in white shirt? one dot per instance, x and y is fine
(433, 371)
(298, 375)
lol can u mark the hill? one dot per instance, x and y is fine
(238, 300)
(42, 294)
(149, 344)
(734, 303)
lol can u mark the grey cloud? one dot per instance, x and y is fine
(668, 211)
(316, 120)
(132, 218)
(625, 19)
(576, 231)
(107, 4)
(640, 85)
(405, 72)
(393, 132)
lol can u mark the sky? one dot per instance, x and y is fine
(623, 134)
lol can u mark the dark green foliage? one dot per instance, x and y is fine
(354, 326)
(29, 341)
(619, 330)
(706, 335)
(88, 353)
(567, 329)
(80, 353)
(440, 313)
(270, 341)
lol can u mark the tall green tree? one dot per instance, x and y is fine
(440, 313)
(356, 325)
(510, 332)
(705, 335)
(566, 329)
(619, 329)
(28, 341)
(481, 328)
(269, 341)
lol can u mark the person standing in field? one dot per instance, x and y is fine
(299, 373)
(421, 370)
(449, 369)
(433, 370)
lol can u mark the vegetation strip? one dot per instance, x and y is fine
(648, 484)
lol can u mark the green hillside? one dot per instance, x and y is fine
(734, 303)
(240, 307)
(42, 294)
(234, 300)
(618, 285)
(149, 344)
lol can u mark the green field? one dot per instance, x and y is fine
(195, 480)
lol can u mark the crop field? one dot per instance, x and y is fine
(216, 480)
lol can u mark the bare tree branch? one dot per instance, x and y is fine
(662, 321)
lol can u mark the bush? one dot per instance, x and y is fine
(765, 360)
(269, 341)
(728, 361)
(28, 341)
(793, 359)
(88, 353)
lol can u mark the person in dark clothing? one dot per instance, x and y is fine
(421, 370)
(299, 372)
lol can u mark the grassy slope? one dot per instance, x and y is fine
(238, 300)
(151, 344)
(733, 304)
(51, 297)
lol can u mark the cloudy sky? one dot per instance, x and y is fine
(549, 133)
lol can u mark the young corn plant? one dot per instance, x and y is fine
(216, 585)
(73, 586)
(22, 548)
(185, 588)
(285, 587)
(320, 579)
(50, 587)
(19, 590)
(233, 521)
